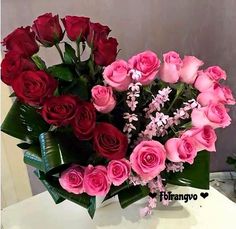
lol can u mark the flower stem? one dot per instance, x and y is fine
(78, 49)
(60, 52)
(179, 91)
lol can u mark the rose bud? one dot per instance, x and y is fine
(216, 73)
(22, 40)
(188, 72)
(205, 137)
(34, 87)
(103, 99)
(169, 70)
(116, 75)
(148, 159)
(214, 115)
(96, 32)
(105, 51)
(13, 65)
(47, 29)
(181, 149)
(96, 182)
(72, 179)
(84, 121)
(60, 110)
(76, 27)
(118, 171)
(109, 142)
(147, 63)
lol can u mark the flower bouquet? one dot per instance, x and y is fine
(98, 126)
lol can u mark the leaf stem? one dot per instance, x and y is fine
(78, 49)
(179, 91)
(60, 52)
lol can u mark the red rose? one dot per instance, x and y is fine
(33, 87)
(22, 40)
(84, 121)
(13, 64)
(60, 110)
(109, 142)
(76, 27)
(96, 32)
(47, 29)
(105, 51)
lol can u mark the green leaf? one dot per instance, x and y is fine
(92, 206)
(39, 62)
(12, 124)
(13, 94)
(231, 160)
(78, 87)
(33, 121)
(132, 194)
(24, 145)
(69, 54)
(60, 149)
(20, 122)
(195, 175)
(61, 71)
(52, 191)
(33, 157)
(114, 190)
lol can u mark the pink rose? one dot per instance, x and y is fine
(103, 99)
(216, 73)
(116, 75)
(181, 149)
(96, 182)
(72, 179)
(147, 63)
(206, 79)
(203, 81)
(214, 115)
(216, 94)
(169, 70)
(148, 159)
(188, 72)
(205, 137)
(118, 171)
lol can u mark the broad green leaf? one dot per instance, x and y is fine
(33, 121)
(78, 87)
(61, 71)
(24, 145)
(195, 175)
(132, 194)
(69, 54)
(60, 149)
(12, 124)
(92, 206)
(20, 122)
(52, 191)
(114, 190)
(32, 156)
(39, 62)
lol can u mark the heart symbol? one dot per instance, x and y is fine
(204, 194)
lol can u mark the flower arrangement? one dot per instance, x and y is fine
(99, 126)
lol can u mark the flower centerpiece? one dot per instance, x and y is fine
(101, 126)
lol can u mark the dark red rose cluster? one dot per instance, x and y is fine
(108, 141)
(96, 35)
(37, 87)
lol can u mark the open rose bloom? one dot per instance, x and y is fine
(107, 126)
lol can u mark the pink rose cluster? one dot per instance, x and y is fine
(95, 180)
